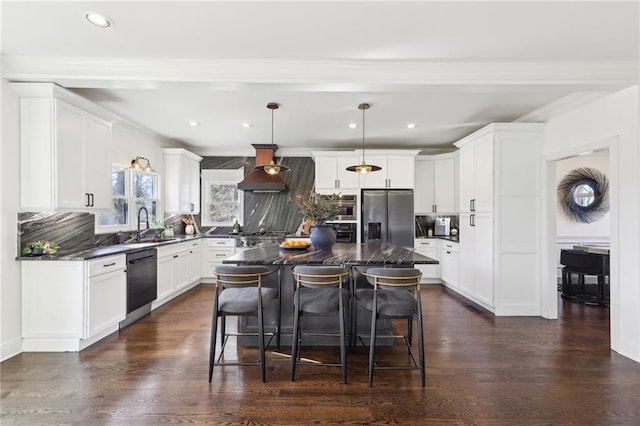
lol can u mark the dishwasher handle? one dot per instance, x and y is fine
(134, 261)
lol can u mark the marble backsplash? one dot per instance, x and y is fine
(424, 223)
(71, 231)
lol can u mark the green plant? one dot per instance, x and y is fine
(47, 247)
(318, 208)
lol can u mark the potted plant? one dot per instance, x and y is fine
(38, 248)
(317, 210)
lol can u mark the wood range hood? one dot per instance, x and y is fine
(258, 180)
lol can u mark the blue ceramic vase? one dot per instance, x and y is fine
(323, 237)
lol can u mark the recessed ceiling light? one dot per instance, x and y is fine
(194, 123)
(99, 19)
(353, 125)
(411, 126)
(246, 125)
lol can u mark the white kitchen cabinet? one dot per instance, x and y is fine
(106, 294)
(435, 184)
(214, 251)
(429, 248)
(331, 171)
(181, 181)
(65, 150)
(69, 305)
(449, 263)
(178, 269)
(423, 200)
(398, 170)
(500, 200)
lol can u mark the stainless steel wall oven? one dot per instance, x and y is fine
(347, 206)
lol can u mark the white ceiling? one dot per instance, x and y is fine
(450, 67)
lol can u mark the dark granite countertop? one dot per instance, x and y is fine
(341, 254)
(440, 237)
(102, 251)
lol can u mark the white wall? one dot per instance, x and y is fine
(567, 227)
(10, 288)
(610, 121)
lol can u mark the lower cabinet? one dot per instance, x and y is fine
(214, 251)
(178, 269)
(429, 248)
(69, 305)
(449, 264)
(476, 258)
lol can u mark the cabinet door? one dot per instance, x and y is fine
(483, 258)
(165, 276)
(375, 180)
(401, 172)
(466, 246)
(185, 185)
(70, 157)
(429, 271)
(181, 269)
(449, 267)
(98, 162)
(107, 296)
(194, 193)
(326, 172)
(483, 172)
(194, 264)
(347, 179)
(444, 185)
(423, 201)
(467, 158)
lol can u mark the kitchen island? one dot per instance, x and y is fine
(358, 257)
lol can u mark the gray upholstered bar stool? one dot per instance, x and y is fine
(395, 294)
(240, 292)
(319, 291)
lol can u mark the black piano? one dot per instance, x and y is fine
(581, 263)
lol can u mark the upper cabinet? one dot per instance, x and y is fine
(436, 184)
(181, 181)
(476, 174)
(398, 169)
(331, 170)
(65, 150)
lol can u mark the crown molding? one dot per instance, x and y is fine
(560, 106)
(348, 74)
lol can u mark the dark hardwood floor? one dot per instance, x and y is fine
(481, 370)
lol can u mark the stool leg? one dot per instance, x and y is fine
(212, 343)
(294, 336)
(279, 308)
(420, 343)
(372, 338)
(261, 338)
(410, 332)
(343, 343)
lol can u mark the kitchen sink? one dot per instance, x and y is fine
(154, 240)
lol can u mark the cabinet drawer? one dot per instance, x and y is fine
(221, 242)
(452, 247)
(171, 249)
(425, 244)
(106, 264)
(220, 254)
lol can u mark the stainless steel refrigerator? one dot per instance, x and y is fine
(387, 216)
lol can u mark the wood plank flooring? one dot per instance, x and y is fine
(481, 370)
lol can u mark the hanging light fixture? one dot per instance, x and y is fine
(272, 168)
(138, 165)
(363, 167)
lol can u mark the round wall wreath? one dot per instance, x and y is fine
(583, 195)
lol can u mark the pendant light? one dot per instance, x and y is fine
(363, 168)
(272, 168)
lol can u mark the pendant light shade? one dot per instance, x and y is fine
(363, 168)
(272, 168)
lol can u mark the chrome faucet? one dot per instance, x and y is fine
(146, 212)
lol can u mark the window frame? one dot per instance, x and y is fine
(220, 177)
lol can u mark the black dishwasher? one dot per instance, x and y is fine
(142, 288)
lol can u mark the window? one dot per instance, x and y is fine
(222, 201)
(131, 189)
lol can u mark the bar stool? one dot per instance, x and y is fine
(319, 291)
(240, 292)
(395, 294)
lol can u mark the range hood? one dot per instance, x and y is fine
(258, 180)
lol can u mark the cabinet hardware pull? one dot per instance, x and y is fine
(109, 264)
(448, 252)
(92, 200)
(175, 256)
(221, 255)
(87, 203)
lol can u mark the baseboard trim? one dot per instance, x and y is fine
(10, 349)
